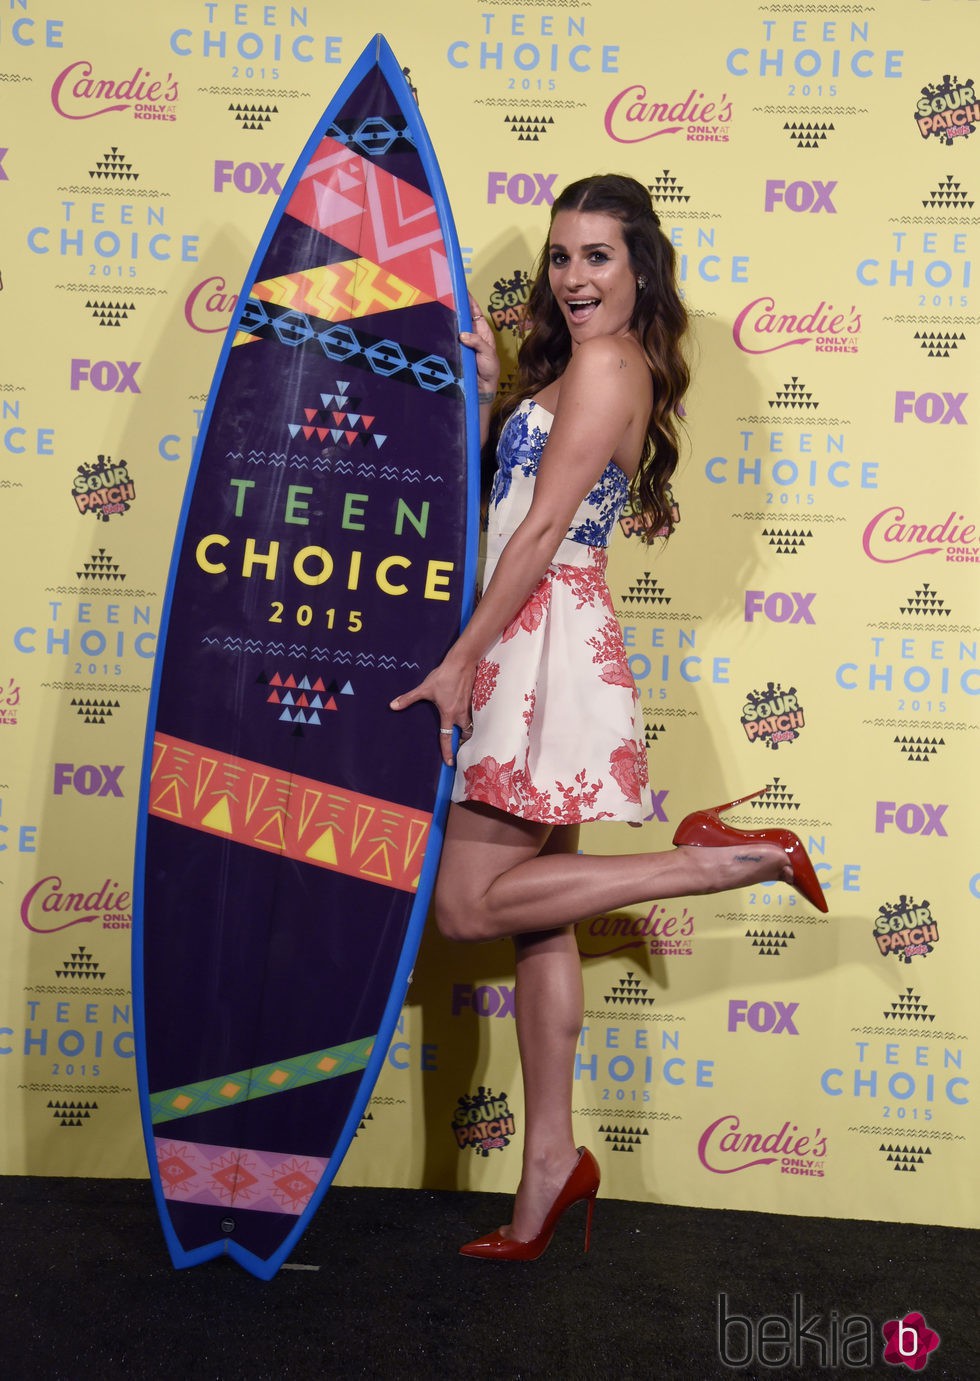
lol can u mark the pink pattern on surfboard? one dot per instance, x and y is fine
(263, 1181)
(400, 229)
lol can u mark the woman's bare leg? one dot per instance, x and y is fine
(500, 875)
(495, 880)
(549, 1003)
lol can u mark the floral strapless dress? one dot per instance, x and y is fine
(557, 732)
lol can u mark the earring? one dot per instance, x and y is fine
(641, 283)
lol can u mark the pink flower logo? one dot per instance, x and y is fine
(909, 1342)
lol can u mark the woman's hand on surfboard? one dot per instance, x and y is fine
(450, 688)
(481, 340)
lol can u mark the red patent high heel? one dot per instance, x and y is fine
(582, 1183)
(706, 829)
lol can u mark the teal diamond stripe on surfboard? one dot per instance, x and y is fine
(229, 1089)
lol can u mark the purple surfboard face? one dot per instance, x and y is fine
(321, 570)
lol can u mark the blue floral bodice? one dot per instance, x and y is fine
(519, 449)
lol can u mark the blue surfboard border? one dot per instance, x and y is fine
(377, 53)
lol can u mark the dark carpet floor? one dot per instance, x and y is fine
(87, 1291)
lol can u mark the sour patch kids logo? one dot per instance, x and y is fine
(483, 1121)
(103, 488)
(905, 928)
(508, 302)
(772, 716)
(948, 109)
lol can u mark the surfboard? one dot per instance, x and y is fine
(289, 822)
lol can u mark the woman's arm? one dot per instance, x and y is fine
(606, 382)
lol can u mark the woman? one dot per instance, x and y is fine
(538, 681)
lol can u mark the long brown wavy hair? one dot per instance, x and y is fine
(659, 322)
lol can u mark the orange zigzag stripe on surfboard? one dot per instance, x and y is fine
(376, 215)
(340, 292)
(297, 817)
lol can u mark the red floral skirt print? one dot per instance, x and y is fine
(556, 729)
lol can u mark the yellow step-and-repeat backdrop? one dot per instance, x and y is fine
(812, 627)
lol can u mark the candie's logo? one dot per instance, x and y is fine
(209, 306)
(81, 93)
(9, 700)
(947, 110)
(891, 536)
(483, 1121)
(48, 907)
(725, 1148)
(633, 115)
(660, 932)
(761, 327)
